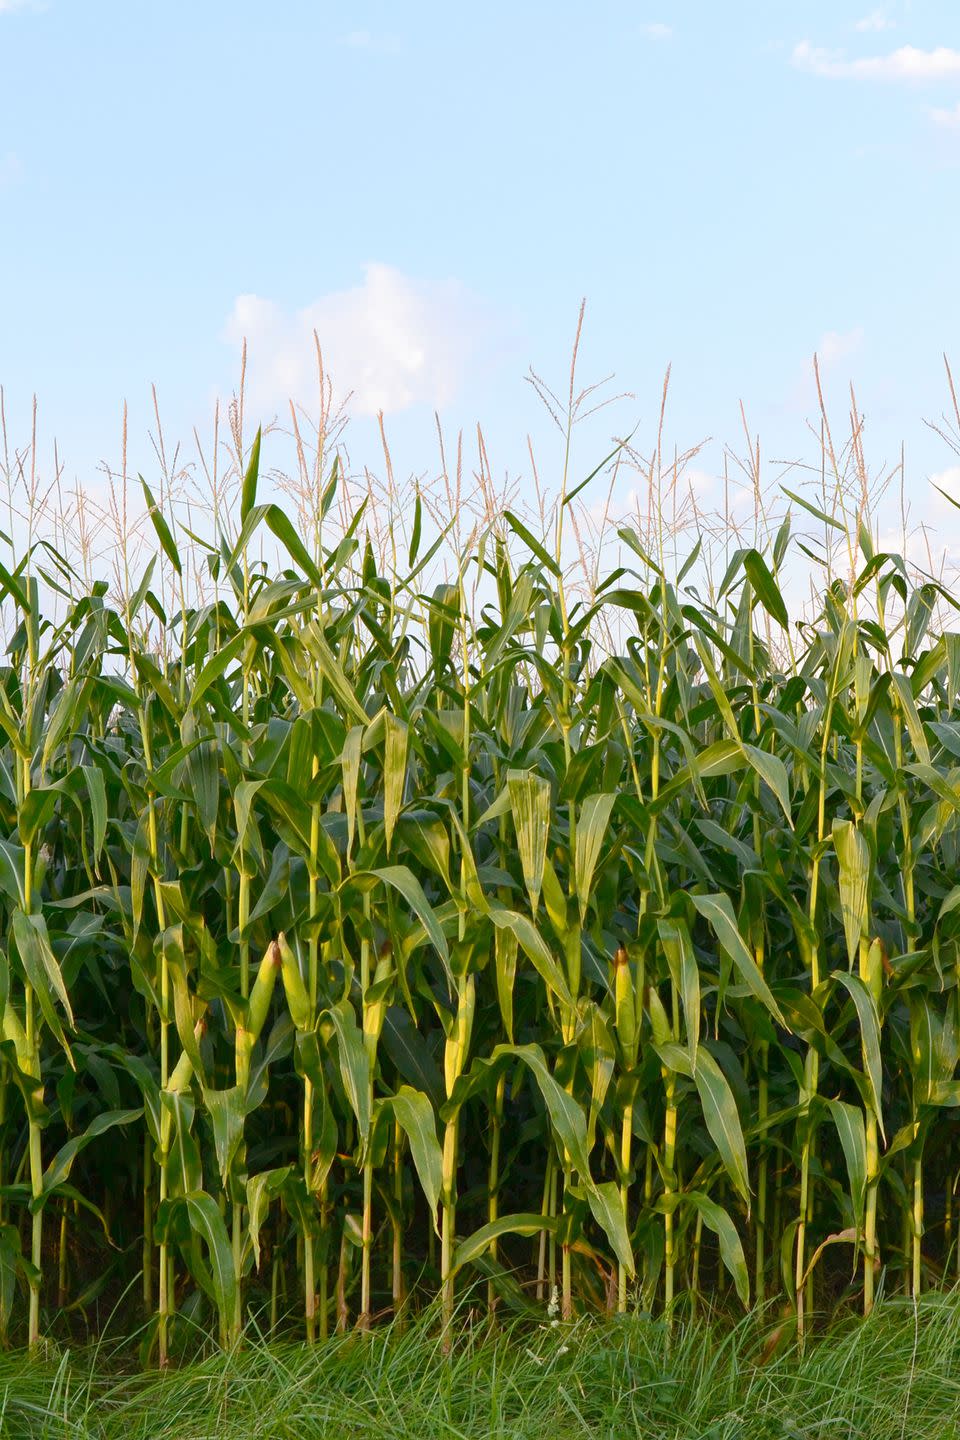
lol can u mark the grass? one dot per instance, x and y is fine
(895, 1376)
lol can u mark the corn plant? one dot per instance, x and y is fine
(403, 929)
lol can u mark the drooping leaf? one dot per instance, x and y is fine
(415, 1115)
(531, 804)
(718, 912)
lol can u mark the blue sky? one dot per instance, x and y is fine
(434, 187)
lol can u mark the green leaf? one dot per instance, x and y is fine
(532, 543)
(350, 766)
(869, 1018)
(409, 1052)
(566, 1117)
(534, 947)
(403, 880)
(183, 1167)
(396, 737)
(765, 587)
(11, 1264)
(227, 1111)
(203, 772)
(36, 810)
(207, 1222)
(813, 510)
(43, 972)
(415, 1116)
(678, 949)
(167, 543)
(530, 801)
(606, 1204)
(908, 708)
(572, 494)
(592, 825)
(480, 1241)
(284, 531)
(718, 691)
(718, 912)
(248, 493)
(12, 586)
(719, 1109)
(64, 718)
(852, 1132)
(261, 1189)
(772, 770)
(97, 795)
(216, 666)
(853, 858)
(731, 1250)
(12, 870)
(60, 1166)
(505, 945)
(723, 1121)
(415, 537)
(334, 676)
(354, 1065)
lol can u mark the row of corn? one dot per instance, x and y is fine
(364, 938)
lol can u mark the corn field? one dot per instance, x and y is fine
(368, 940)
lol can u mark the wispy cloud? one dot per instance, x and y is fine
(933, 545)
(945, 118)
(837, 345)
(389, 343)
(7, 7)
(11, 168)
(658, 31)
(906, 64)
(370, 40)
(876, 20)
(948, 480)
(835, 351)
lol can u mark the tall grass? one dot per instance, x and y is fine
(389, 901)
(891, 1378)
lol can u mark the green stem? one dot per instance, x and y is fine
(36, 1183)
(397, 1287)
(147, 1223)
(626, 1148)
(493, 1180)
(542, 1238)
(761, 1222)
(669, 1161)
(448, 1229)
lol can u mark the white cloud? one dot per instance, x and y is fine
(837, 345)
(832, 349)
(907, 63)
(949, 481)
(876, 20)
(391, 342)
(933, 527)
(947, 119)
(10, 167)
(658, 31)
(630, 504)
(699, 481)
(370, 40)
(932, 549)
